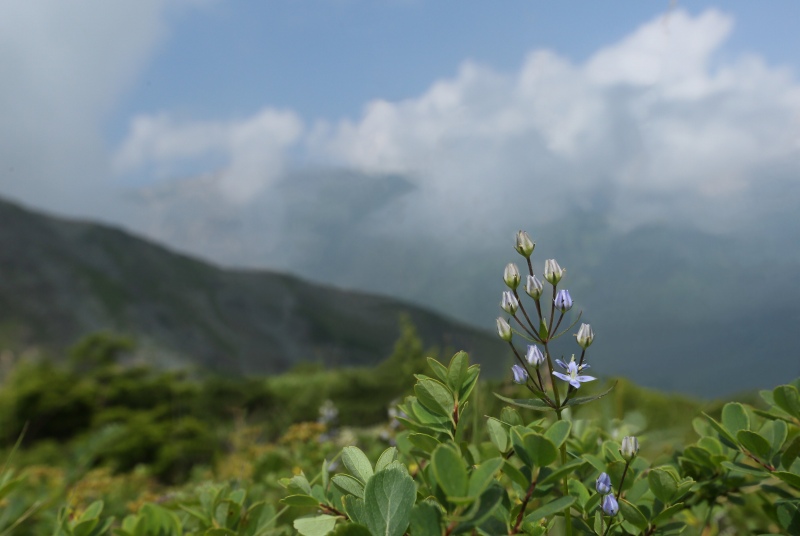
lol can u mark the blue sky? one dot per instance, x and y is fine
(327, 59)
(603, 96)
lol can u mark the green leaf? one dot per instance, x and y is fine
(435, 396)
(301, 500)
(791, 453)
(92, 511)
(667, 513)
(579, 491)
(756, 471)
(528, 403)
(483, 508)
(725, 436)
(219, 532)
(483, 475)
(775, 432)
(388, 500)
(357, 463)
(423, 441)
(450, 471)
(734, 418)
(348, 485)
(790, 478)
(498, 434)
(426, 520)
(569, 467)
(663, 485)
(315, 526)
(297, 485)
(351, 529)
(587, 399)
(155, 519)
(457, 371)
(754, 443)
(516, 475)
(469, 382)
(558, 432)
(518, 434)
(355, 509)
(388, 456)
(633, 515)
(788, 399)
(438, 369)
(540, 449)
(550, 508)
(789, 515)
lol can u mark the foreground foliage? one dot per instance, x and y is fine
(98, 448)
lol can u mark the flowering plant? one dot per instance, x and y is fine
(537, 467)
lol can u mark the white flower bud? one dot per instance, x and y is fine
(585, 336)
(552, 271)
(533, 287)
(524, 244)
(503, 329)
(629, 448)
(509, 303)
(511, 276)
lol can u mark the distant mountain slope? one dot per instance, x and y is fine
(61, 279)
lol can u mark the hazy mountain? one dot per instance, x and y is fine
(673, 306)
(63, 279)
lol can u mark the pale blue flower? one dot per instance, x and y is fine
(610, 505)
(572, 373)
(534, 356)
(563, 301)
(520, 374)
(603, 484)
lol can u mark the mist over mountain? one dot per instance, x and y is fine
(673, 307)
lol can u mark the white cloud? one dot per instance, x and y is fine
(253, 151)
(656, 125)
(65, 65)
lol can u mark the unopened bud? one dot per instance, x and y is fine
(511, 276)
(552, 271)
(524, 244)
(520, 374)
(563, 301)
(585, 336)
(603, 484)
(533, 287)
(534, 356)
(610, 505)
(503, 329)
(509, 303)
(629, 448)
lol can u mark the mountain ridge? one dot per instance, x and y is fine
(63, 279)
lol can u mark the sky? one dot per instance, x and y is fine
(669, 105)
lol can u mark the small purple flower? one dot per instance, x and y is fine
(563, 301)
(603, 484)
(520, 374)
(610, 505)
(534, 356)
(572, 373)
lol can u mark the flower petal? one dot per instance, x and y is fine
(562, 364)
(575, 383)
(562, 376)
(586, 378)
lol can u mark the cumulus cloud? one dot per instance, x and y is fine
(655, 127)
(65, 66)
(251, 152)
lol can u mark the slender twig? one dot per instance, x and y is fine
(521, 513)
(522, 308)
